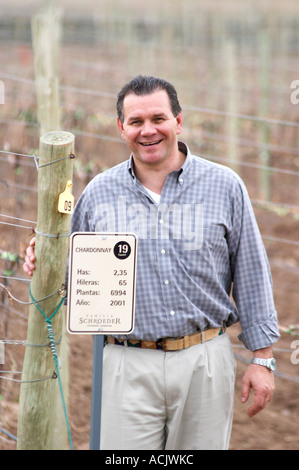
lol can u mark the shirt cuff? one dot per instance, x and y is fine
(261, 335)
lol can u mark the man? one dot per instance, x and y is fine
(170, 384)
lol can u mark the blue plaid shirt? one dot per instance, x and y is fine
(201, 261)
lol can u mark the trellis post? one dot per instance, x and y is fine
(46, 28)
(265, 85)
(42, 423)
(232, 105)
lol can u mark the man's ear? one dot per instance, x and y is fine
(121, 128)
(179, 120)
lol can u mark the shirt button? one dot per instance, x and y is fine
(172, 312)
(181, 180)
(166, 281)
(161, 221)
(163, 252)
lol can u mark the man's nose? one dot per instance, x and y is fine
(148, 128)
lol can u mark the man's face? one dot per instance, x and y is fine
(150, 128)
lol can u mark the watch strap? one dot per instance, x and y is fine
(270, 363)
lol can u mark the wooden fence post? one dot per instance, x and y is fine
(46, 27)
(232, 104)
(265, 131)
(42, 424)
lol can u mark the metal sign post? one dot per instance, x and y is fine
(96, 393)
(101, 299)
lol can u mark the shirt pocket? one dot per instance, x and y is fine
(214, 237)
(211, 259)
(215, 251)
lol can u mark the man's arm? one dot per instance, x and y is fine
(261, 380)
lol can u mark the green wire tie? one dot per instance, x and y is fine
(55, 355)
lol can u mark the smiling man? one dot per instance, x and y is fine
(170, 383)
(150, 129)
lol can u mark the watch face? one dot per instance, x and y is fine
(269, 363)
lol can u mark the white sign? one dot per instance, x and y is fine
(101, 283)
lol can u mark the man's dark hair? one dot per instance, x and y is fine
(145, 85)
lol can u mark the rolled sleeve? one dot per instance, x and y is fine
(261, 335)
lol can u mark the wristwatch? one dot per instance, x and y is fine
(269, 363)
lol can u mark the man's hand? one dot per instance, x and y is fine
(261, 380)
(29, 265)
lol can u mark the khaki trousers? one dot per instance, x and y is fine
(158, 400)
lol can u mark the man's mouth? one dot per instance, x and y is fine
(149, 144)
